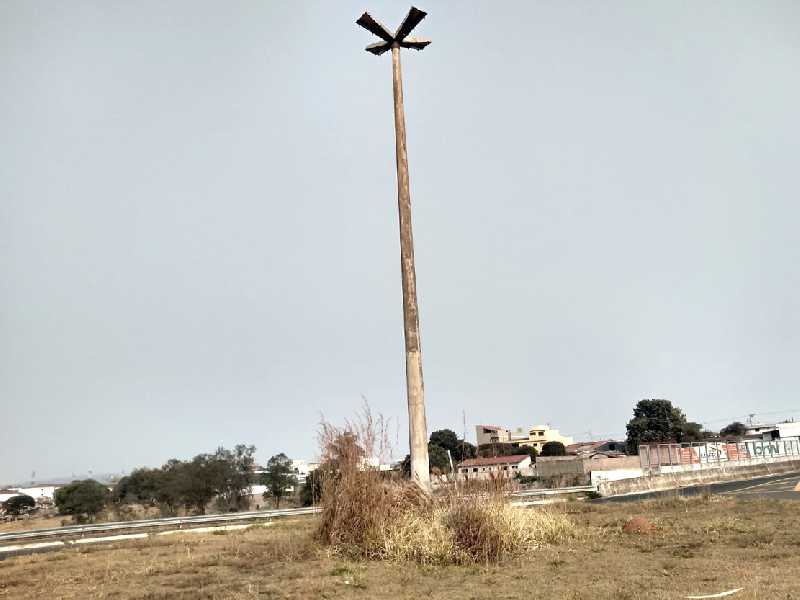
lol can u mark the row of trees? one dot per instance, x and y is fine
(224, 476)
(658, 421)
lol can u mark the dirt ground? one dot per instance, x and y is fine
(37, 522)
(702, 545)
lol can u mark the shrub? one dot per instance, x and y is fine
(368, 515)
(82, 499)
(554, 449)
(17, 505)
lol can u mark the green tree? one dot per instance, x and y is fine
(459, 449)
(659, 421)
(405, 467)
(438, 461)
(529, 450)
(82, 499)
(445, 438)
(20, 504)
(464, 451)
(311, 492)
(197, 482)
(234, 470)
(553, 449)
(734, 430)
(279, 478)
(498, 449)
(142, 486)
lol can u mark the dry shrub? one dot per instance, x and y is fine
(369, 514)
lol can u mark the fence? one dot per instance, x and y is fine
(674, 458)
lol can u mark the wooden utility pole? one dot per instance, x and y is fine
(415, 388)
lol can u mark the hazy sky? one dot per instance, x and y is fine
(198, 226)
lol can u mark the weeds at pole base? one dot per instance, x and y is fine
(369, 514)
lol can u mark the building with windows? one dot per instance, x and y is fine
(774, 431)
(535, 437)
(494, 467)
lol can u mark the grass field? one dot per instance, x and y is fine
(701, 545)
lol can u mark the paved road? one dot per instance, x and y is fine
(777, 487)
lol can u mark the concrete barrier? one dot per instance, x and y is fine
(668, 481)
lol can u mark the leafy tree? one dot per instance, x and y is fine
(734, 430)
(17, 505)
(405, 467)
(529, 450)
(234, 470)
(693, 432)
(464, 451)
(279, 477)
(438, 460)
(197, 482)
(498, 449)
(82, 499)
(659, 421)
(553, 449)
(459, 448)
(311, 491)
(445, 438)
(142, 485)
(171, 482)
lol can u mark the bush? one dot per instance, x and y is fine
(554, 449)
(82, 499)
(366, 515)
(17, 505)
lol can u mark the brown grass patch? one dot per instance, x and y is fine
(756, 543)
(367, 515)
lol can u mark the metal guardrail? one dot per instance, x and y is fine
(578, 489)
(180, 522)
(81, 530)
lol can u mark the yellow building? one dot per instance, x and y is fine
(536, 437)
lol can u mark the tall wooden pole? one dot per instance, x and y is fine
(415, 387)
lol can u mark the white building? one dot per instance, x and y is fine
(774, 431)
(44, 493)
(535, 437)
(495, 466)
(302, 468)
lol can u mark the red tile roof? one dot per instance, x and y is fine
(494, 460)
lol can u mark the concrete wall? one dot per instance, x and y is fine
(553, 466)
(615, 475)
(724, 472)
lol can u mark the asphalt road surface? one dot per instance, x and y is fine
(777, 487)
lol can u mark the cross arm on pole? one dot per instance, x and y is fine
(399, 37)
(412, 19)
(416, 43)
(367, 22)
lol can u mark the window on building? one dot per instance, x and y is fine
(513, 466)
(505, 468)
(475, 470)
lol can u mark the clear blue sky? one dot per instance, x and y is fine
(198, 237)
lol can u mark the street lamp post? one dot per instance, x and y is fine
(415, 389)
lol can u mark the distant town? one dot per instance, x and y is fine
(538, 456)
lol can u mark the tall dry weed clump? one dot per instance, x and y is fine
(367, 513)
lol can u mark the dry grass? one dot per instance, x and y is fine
(34, 523)
(699, 546)
(368, 515)
(472, 530)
